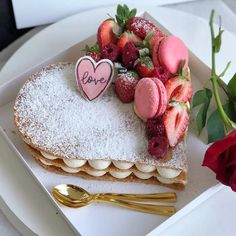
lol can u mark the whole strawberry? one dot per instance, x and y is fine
(129, 55)
(93, 52)
(144, 67)
(139, 26)
(125, 86)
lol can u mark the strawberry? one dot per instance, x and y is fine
(156, 36)
(161, 73)
(139, 26)
(106, 33)
(93, 52)
(144, 67)
(125, 86)
(175, 120)
(127, 37)
(179, 89)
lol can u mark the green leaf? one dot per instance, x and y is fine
(132, 13)
(126, 10)
(201, 97)
(217, 40)
(201, 118)
(215, 127)
(119, 10)
(230, 110)
(232, 85)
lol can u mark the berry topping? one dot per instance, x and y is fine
(110, 51)
(127, 37)
(155, 38)
(154, 128)
(93, 52)
(129, 55)
(175, 120)
(125, 86)
(139, 26)
(158, 146)
(106, 33)
(123, 14)
(144, 67)
(179, 89)
(161, 73)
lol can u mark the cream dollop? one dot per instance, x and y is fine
(120, 174)
(48, 156)
(123, 165)
(99, 164)
(69, 170)
(145, 168)
(96, 173)
(74, 163)
(141, 175)
(168, 173)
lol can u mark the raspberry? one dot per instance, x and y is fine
(154, 128)
(129, 55)
(125, 86)
(161, 73)
(158, 147)
(110, 51)
(96, 56)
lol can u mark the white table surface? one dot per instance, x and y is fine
(199, 8)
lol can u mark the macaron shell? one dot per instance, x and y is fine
(146, 98)
(155, 53)
(163, 100)
(172, 51)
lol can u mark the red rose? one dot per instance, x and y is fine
(221, 158)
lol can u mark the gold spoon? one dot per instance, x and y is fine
(74, 196)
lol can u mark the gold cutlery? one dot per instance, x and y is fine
(74, 196)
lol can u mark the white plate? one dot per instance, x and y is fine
(165, 17)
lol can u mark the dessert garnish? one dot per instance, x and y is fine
(92, 77)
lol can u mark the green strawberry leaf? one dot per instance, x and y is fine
(215, 127)
(132, 13)
(202, 97)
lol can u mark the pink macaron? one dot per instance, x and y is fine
(172, 51)
(150, 99)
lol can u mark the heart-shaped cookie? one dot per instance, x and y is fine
(93, 78)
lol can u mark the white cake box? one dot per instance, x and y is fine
(105, 219)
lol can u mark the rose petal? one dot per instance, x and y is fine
(232, 181)
(216, 149)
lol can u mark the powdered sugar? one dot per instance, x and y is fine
(51, 113)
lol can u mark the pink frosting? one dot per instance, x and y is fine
(172, 51)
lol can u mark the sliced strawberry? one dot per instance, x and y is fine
(125, 86)
(144, 67)
(139, 26)
(175, 120)
(179, 88)
(127, 37)
(96, 56)
(156, 37)
(106, 34)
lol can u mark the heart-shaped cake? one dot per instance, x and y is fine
(85, 120)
